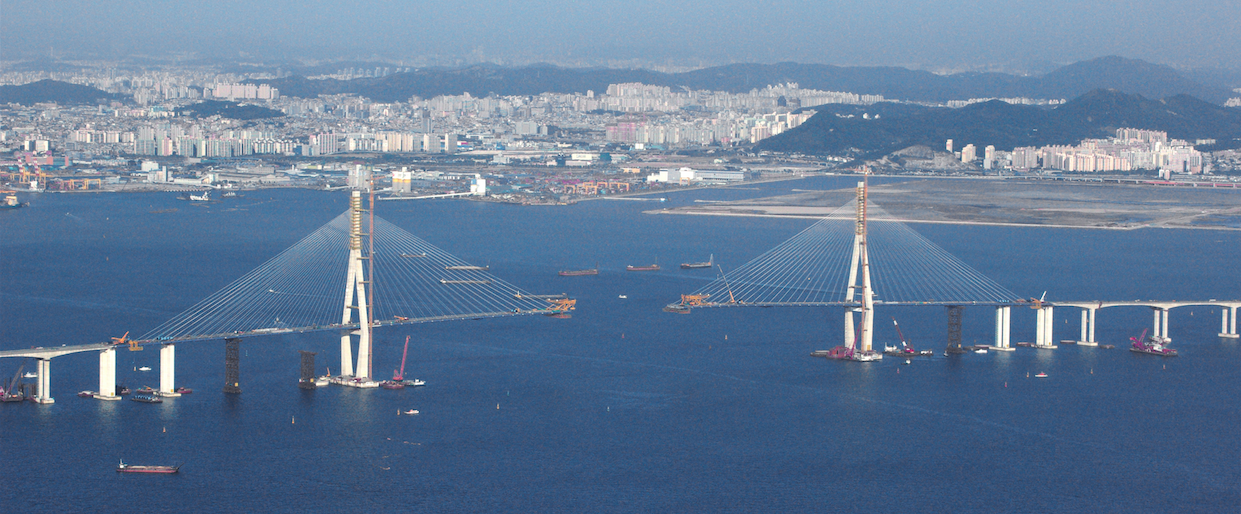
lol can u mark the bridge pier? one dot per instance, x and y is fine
(1161, 321)
(1228, 328)
(232, 373)
(167, 370)
(1002, 329)
(107, 375)
(1045, 328)
(1087, 337)
(43, 388)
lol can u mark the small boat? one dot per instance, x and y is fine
(697, 265)
(414, 383)
(122, 390)
(906, 361)
(410, 412)
(146, 398)
(230, 194)
(1040, 375)
(160, 470)
(981, 350)
(183, 390)
(205, 197)
(145, 390)
(145, 368)
(623, 297)
(677, 309)
(322, 381)
(392, 384)
(30, 374)
(86, 394)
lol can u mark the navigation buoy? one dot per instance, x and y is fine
(497, 406)
(165, 430)
(1006, 383)
(725, 337)
(294, 422)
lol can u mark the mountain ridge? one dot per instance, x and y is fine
(1096, 114)
(894, 83)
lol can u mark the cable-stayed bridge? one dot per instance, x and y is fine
(338, 278)
(859, 257)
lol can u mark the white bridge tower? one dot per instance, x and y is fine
(356, 297)
(860, 342)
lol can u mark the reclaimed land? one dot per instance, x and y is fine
(1009, 202)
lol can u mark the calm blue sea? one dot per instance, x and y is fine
(623, 407)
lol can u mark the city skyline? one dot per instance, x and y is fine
(939, 35)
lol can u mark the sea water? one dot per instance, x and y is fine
(622, 407)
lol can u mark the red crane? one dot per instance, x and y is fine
(398, 376)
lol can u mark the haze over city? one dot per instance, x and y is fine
(940, 35)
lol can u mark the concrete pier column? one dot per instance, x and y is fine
(167, 370)
(1232, 325)
(1049, 319)
(1039, 327)
(999, 326)
(1008, 325)
(1091, 339)
(346, 354)
(43, 389)
(1155, 329)
(1085, 322)
(1223, 322)
(849, 337)
(107, 375)
(1163, 314)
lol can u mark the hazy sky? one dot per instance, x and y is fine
(928, 33)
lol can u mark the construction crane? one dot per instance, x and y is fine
(133, 345)
(398, 376)
(898, 331)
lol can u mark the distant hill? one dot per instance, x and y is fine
(1128, 75)
(1096, 114)
(62, 93)
(230, 110)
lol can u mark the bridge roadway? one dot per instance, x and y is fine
(107, 350)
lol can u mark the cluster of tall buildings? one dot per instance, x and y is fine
(1131, 149)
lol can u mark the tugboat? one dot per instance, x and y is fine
(159, 470)
(1153, 345)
